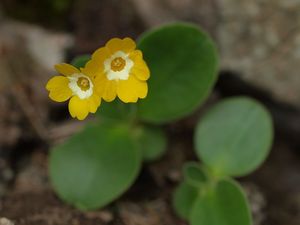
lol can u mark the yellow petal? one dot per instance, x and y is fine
(107, 89)
(101, 54)
(79, 108)
(59, 88)
(91, 69)
(66, 69)
(94, 102)
(132, 89)
(116, 44)
(95, 66)
(140, 68)
(128, 44)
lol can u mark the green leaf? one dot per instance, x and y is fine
(80, 61)
(234, 137)
(223, 205)
(183, 63)
(195, 180)
(184, 198)
(95, 166)
(194, 174)
(152, 141)
(117, 110)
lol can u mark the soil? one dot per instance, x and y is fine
(27, 197)
(273, 189)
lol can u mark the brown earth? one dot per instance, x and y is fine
(29, 123)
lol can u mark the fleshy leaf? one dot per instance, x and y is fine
(152, 141)
(183, 64)
(80, 61)
(234, 137)
(95, 166)
(224, 204)
(184, 198)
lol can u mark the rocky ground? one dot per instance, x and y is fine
(259, 48)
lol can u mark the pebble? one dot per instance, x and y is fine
(5, 221)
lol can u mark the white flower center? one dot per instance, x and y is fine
(81, 85)
(118, 66)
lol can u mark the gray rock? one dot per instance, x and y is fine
(5, 221)
(260, 39)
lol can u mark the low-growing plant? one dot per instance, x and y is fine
(178, 63)
(232, 139)
(98, 164)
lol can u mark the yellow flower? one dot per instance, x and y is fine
(120, 71)
(76, 85)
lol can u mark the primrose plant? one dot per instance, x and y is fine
(232, 140)
(176, 62)
(136, 89)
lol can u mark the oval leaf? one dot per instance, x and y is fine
(80, 61)
(194, 174)
(183, 64)
(117, 110)
(184, 198)
(95, 166)
(152, 142)
(234, 137)
(224, 205)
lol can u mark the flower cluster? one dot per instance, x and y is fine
(117, 69)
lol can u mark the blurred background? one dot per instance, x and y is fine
(259, 45)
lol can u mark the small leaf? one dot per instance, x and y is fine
(80, 61)
(234, 137)
(183, 63)
(184, 198)
(95, 166)
(152, 141)
(117, 110)
(223, 205)
(194, 174)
